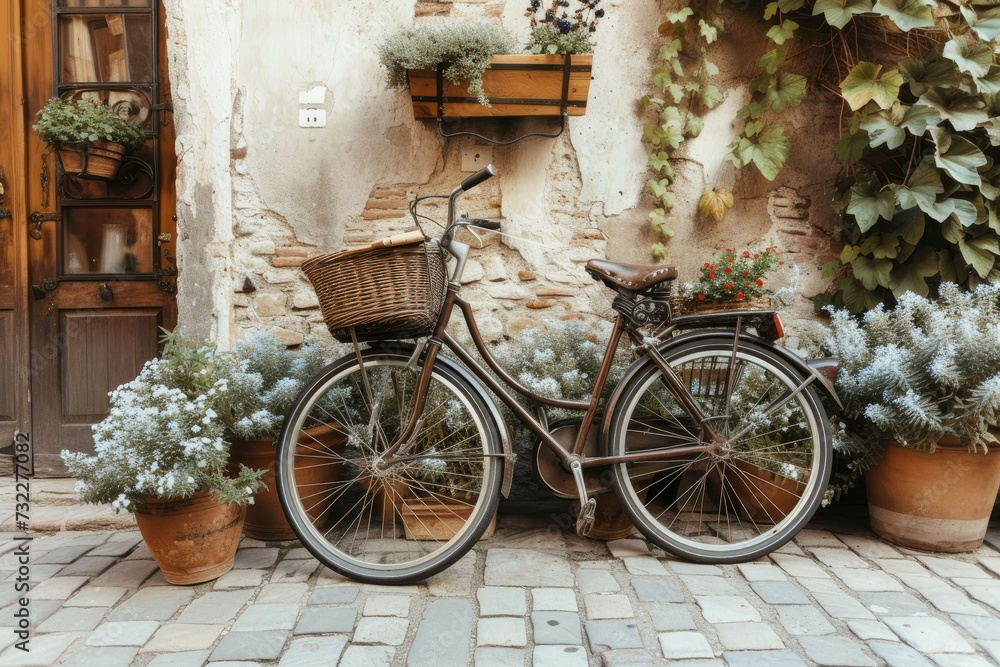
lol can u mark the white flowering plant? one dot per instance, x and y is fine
(925, 370)
(165, 435)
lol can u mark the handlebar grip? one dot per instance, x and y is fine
(483, 174)
(399, 239)
(492, 225)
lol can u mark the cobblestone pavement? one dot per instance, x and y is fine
(531, 595)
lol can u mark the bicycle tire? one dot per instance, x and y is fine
(750, 496)
(348, 510)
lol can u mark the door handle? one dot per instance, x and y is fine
(37, 219)
(107, 294)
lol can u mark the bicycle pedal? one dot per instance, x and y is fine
(585, 519)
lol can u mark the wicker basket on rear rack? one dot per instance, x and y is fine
(381, 292)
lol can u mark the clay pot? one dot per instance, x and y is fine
(98, 160)
(386, 497)
(937, 501)
(265, 517)
(193, 540)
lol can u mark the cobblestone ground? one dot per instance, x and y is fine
(531, 595)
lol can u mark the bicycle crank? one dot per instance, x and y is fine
(588, 506)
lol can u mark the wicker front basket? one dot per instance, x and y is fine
(383, 293)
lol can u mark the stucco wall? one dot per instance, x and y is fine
(257, 193)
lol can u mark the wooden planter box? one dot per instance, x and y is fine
(522, 85)
(98, 160)
(682, 306)
(432, 519)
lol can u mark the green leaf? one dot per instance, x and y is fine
(881, 130)
(912, 224)
(946, 266)
(918, 118)
(711, 96)
(922, 187)
(673, 135)
(986, 23)
(769, 150)
(790, 5)
(708, 32)
(676, 92)
(962, 110)
(670, 50)
(989, 84)
(882, 246)
(964, 211)
(907, 14)
(770, 10)
(659, 252)
(975, 60)
(857, 299)
(864, 84)
(851, 147)
(661, 163)
(652, 134)
(752, 110)
(981, 252)
(830, 268)
(771, 60)
(680, 16)
(958, 156)
(786, 90)
(924, 74)
(993, 130)
(662, 79)
(780, 34)
(658, 188)
(849, 254)
(910, 277)
(694, 126)
(872, 273)
(552, 48)
(869, 202)
(838, 13)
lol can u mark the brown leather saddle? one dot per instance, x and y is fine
(633, 277)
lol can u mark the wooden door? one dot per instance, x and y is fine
(99, 276)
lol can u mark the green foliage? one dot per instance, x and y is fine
(165, 434)
(60, 122)
(466, 47)
(925, 370)
(683, 94)
(548, 40)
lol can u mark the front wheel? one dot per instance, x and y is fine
(378, 519)
(756, 487)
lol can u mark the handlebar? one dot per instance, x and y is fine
(483, 174)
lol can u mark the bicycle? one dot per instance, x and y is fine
(717, 439)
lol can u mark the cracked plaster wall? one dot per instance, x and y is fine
(257, 194)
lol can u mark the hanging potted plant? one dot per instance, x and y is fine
(255, 421)
(90, 139)
(161, 454)
(921, 390)
(472, 68)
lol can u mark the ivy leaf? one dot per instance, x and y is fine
(946, 266)
(661, 163)
(670, 50)
(780, 34)
(714, 203)
(869, 202)
(786, 90)
(662, 79)
(652, 134)
(658, 223)
(989, 84)
(659, 252)
(680, 16)
(993, 129)
(851, 147)
(711, 96)
(708, 32)
(975, 60)
(770, 10)
(658, 188)
(881, 130)
(849, 254)
(924, 74)
(694, 126)
(981, 252)
(752, 110)
(958, 156)
(882, 246)
(963, 110)
(769, 151)
(790, 5)
(964, 211)
(986, 24)
(922, 187)
(857, 299)
(839, 13)
(864, 84)
(911, 277)
(676, 92)
(872, 273)
(918, 118)
(911, 229)
(771, 60)
(907, 14)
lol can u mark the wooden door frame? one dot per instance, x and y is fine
(13, 156)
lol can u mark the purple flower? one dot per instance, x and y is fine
(564, 26)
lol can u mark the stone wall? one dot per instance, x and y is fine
(258, 194)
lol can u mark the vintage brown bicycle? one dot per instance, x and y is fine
(393, 459)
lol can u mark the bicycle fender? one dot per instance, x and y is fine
(796, 361)
(465, 374)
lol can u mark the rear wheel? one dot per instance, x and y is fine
(388, 520)
(754, 491)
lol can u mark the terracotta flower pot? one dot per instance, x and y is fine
(937, 501)
(763, 495)
(98, 160)
(193, 540)
(265, 517)
(435, 519)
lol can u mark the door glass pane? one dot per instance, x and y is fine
(111, 4)
(108, 240)
(134, 104)
(114, 48)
